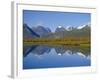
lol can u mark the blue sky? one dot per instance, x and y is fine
(53, 19)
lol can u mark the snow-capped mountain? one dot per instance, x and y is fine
(60, 29)
(70, 28)
(85, 25)
(80, 27)
(60, 32)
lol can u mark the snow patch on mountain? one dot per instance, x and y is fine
(80, 27)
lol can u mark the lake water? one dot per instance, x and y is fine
(43, 56)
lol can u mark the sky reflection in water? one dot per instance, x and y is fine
(43, 56)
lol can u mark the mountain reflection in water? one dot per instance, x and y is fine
(43, 56)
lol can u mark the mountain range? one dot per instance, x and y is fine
(60, 32)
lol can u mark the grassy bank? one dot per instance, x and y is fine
(84, 41)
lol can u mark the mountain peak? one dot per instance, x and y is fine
(85, 25)
(28, 32)
(59, 26)
(60, 29)
(41, 30)
(80, 27)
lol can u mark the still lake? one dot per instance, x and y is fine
(44, 56)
